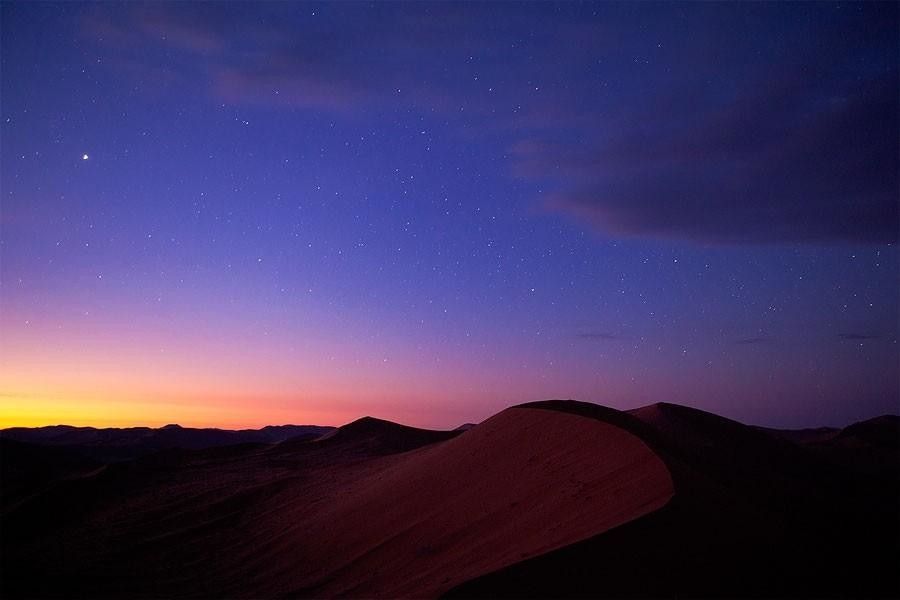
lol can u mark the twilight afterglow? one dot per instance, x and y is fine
(236, 215)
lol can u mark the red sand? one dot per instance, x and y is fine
(523, 483)
(338, 517)
(383, 510)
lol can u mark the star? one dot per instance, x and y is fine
(84, 157)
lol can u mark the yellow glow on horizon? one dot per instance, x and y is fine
(26, 410)
(102, 374)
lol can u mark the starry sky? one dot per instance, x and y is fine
(228, 214)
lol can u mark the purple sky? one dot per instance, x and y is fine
(241, 214)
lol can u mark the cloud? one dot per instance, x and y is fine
(278, 55)
(196, 28)
(724, 143)
(821, 171)
(858, 337)
(804, 150)
(258, 58)
(291, 88)
(598, 336)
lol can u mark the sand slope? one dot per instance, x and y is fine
(754, 515)
(350, 515)
(520, 484)
(547, 499)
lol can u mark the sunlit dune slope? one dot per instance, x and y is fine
(520, 484)
(753, 515)
(349, 515)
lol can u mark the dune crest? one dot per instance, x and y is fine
(373, 509)
(522, 483)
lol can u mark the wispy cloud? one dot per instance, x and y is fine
(598, 336)
(800, 146)
(803, 150)
(858, 337)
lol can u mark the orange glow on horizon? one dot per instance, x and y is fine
(123, 373)
(41, 410)
(103, 375)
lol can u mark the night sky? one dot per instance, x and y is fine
(236, 215)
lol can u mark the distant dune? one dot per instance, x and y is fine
(547, 499)
(377, 436)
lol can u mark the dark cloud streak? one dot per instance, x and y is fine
(858, 337)
(599, 336)
(804, 152)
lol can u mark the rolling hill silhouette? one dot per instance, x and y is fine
(546, 499)
(130, 442)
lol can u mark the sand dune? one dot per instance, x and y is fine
(555, 498)
(753, 515)
(377, 436)
(342, 516)
(520, 484)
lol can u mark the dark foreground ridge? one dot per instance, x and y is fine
(546, 499)
(125, 443)
(373, 509)
(753, 516)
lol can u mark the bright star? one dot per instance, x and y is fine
(84, 157)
